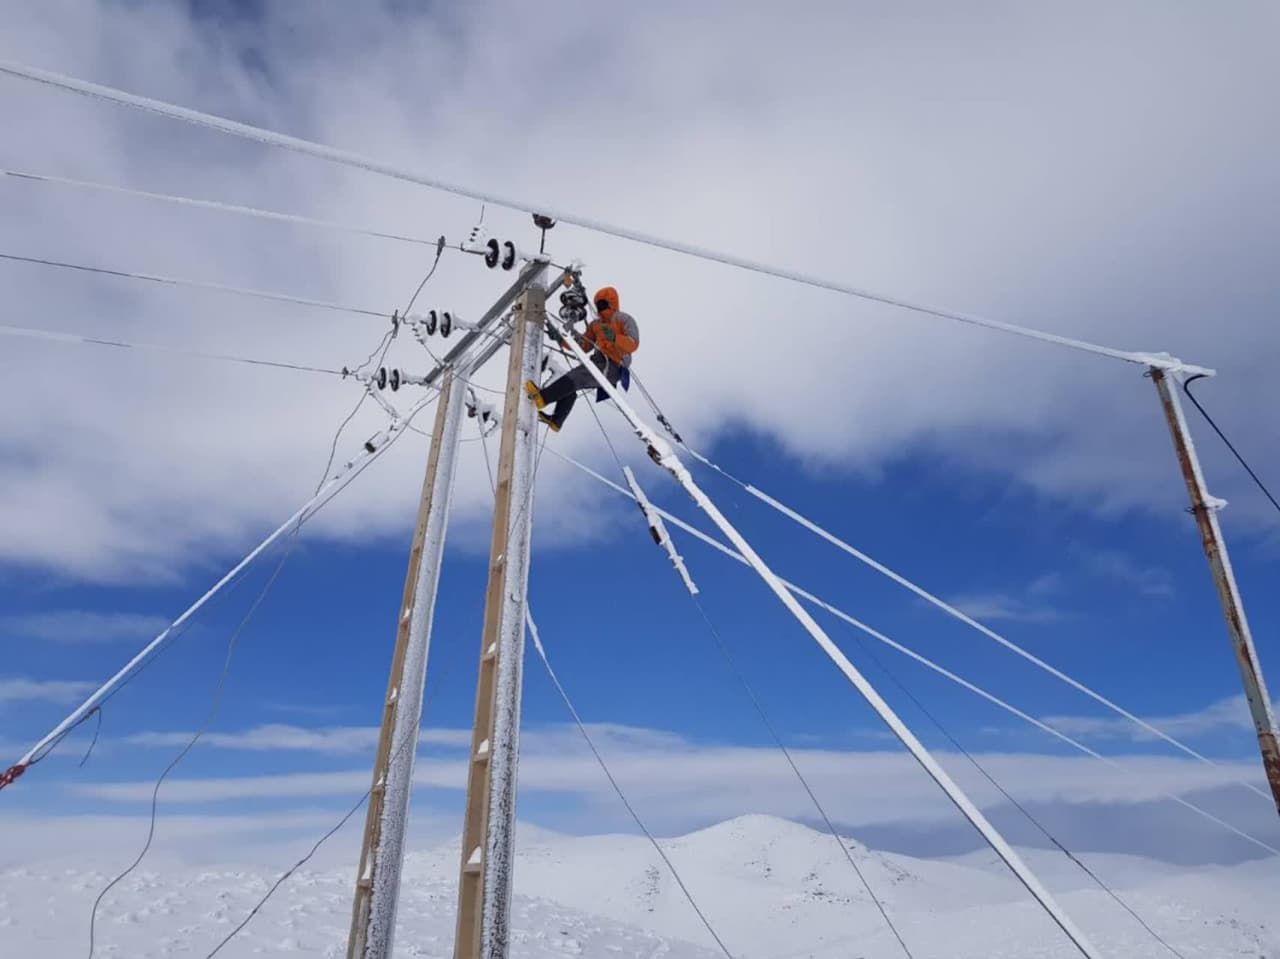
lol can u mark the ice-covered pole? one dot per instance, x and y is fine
(661, 452)
(382, 856)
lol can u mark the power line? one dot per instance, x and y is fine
(922, 659)
(346, 158)
(951, 610)
(889, 674)
(54, 336)
(948, 608)
(734, 668)
(215, 205)
(193, 284)
(1186, 388)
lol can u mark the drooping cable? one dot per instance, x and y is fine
(214, 706)
(1186, 388)
(301, 146)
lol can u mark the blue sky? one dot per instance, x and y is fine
(1034, 488)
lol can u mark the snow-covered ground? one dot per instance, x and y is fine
(773, 890)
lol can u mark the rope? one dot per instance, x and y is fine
(215, 705)
(889, 674)
(214, 205)
(192, 284)
(75, 338)
(777, 738)
(354, 160)
(923, 660)
(1186, 388)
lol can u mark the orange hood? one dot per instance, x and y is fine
(610, 294)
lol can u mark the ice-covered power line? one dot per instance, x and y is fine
(953, 611)
(355, 160)
(193, 284)
(54, 336)
(662, 453)
(907, 651)
(216, 205)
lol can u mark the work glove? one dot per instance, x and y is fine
(608, 333)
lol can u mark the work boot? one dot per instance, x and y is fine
(535, 394)
(550, 422)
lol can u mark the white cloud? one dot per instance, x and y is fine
(1004, 606)
(679, 781)
(1119, 567)
(1225, 715)
(16, 689)
(943, 157)
(279, 737)
(83, 626)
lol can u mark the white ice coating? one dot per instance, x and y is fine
(662, 454)
(660, 530)
(504, 750)
(388, 855)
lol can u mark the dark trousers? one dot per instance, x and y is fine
(563, 391)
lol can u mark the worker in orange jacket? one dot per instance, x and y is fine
(610, 340)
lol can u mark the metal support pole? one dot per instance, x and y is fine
(378, 881)
(1205, 509)
(484, 887)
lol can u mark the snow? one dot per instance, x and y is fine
(772, 888)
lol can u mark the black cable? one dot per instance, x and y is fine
(889, 674)
(1186, 388)
(218, 694)
(777, 738)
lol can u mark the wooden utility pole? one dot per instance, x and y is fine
(484, 888)
(1205, 508)
(378, 882)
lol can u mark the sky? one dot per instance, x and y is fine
(1097, 171)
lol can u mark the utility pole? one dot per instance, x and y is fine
(484, 887)
(373, 917)
(1205, 508)
(382, 856)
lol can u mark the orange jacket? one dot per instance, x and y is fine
(626, 333)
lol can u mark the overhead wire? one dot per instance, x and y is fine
(193, 284)
(923, 660)
(57, 336)
(1186, 388)
(723, 648)
(220, 687)
(215, 205)
(1026, 813)
(298, 145)
(949, 608)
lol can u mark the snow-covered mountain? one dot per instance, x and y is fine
(772, 889)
